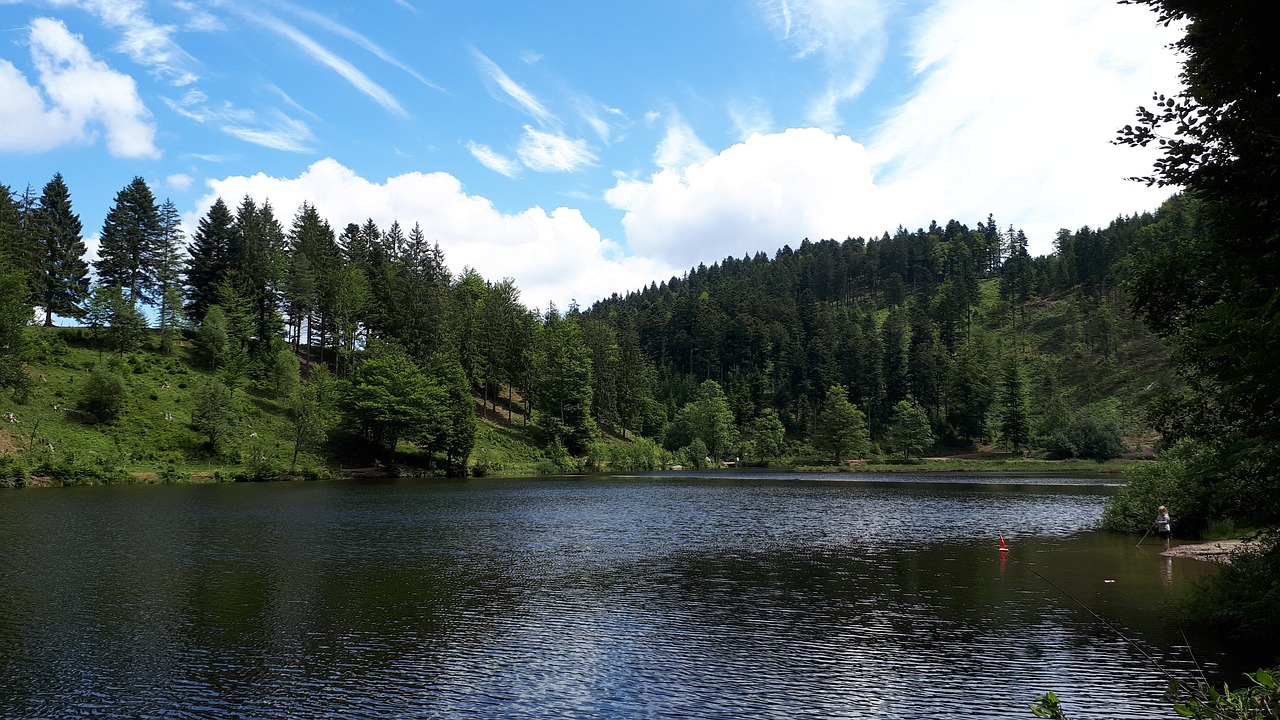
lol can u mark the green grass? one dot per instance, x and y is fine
(140, 439)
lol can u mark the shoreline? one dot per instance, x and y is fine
(1214, 551)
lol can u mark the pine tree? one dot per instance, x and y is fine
(56, 230)
(1015, 419)
(18, 246)
(842, 427)
(210, 259)
(130, 243)
(169, 264)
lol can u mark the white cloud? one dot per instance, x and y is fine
(680, 146)
(357, 38)
(552, 256)
(1022, 127)
(324, 56)
(277, 132)
(850, 38)
(553, 152)
(758, 195)
(496, 162)
(144, 40)
(82, 93)
(179, 181)
(280, 132)
(523, 99)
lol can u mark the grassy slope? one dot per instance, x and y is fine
(140, 439)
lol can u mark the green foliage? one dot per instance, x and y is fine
(284, 372)
(389, 396)
(13, 472)
(213, 343)
(313, 410)
(909, 430)
(1092, 433)
(73, 471)
(103, 395)
(1242, 601)
(15, 313)
(1259, 700)
(842, 428)
(1171, 481)
(767, 437)
(212, 412)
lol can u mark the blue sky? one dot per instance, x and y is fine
(584, 148)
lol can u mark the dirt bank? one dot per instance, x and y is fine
(1218, 551)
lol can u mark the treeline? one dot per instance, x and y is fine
(833, 350)
(936, 320)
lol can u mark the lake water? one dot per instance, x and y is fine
(661, 596)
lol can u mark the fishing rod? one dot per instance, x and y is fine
(1144, 535)
(1004, 550)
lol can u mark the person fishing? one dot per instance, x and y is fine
(1164, 526)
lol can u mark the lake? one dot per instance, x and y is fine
(726, 595)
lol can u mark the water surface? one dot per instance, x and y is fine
(664, 596)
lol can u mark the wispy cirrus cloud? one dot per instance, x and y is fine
(341, 30)
(495, 161)
(82, 93)
(553, 152)
(276, 131)
(849, 36)
(328, 58)
(512, 91)
(144, 40)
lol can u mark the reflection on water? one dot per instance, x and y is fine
(727, 596)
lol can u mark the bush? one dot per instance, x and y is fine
(1171, 481)
(13, 474)
(1242, 601)
(1087, 436)
(103, 395)
(70, 473)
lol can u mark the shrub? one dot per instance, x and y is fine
(13, 474)
(1170, 481)
(103, 395)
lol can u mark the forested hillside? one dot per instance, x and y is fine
(945, 338)
(994, 346)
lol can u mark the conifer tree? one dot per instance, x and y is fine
(17, 245)
(56, 230)
(169, 265)
(210, 259)
(130, 244)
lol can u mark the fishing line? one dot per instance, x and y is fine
(1098, 617)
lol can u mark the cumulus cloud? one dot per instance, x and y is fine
(553, 256)
(757, 195)
(179, 181)
(1022, 127)
(80, 94)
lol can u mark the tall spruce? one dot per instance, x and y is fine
(17, 245)
(257, 255)
(169, 260)
(131, 242)
(209, 260)
(56, 229)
